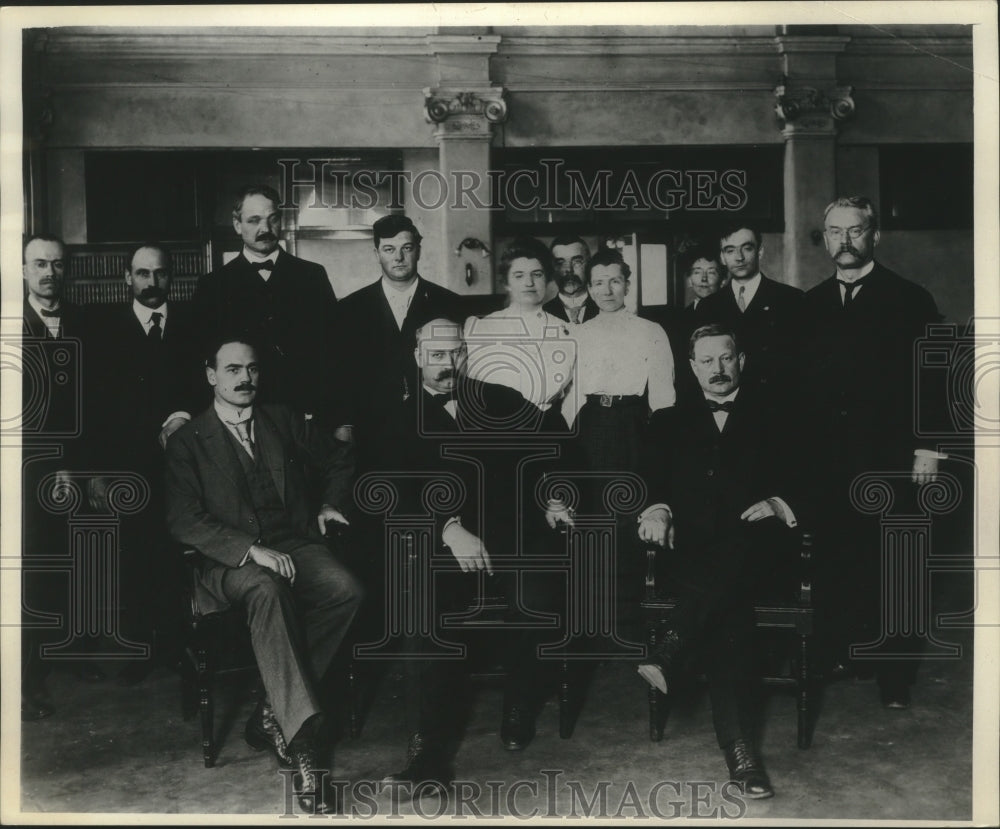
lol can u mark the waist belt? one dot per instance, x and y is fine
(610, 401)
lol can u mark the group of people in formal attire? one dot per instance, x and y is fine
(253, 412)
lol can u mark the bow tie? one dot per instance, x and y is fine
(715, 406)
(50, 314)
(440, 400)
(266, 265)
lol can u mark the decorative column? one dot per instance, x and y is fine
(809, 105)
(464, 107)
(905, 550)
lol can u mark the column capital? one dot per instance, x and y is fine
(468, 113)
(808, 111)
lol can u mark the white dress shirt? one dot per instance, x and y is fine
(399, 301)
(253, 258)
(750, 287)
(230, 415)
(145, 315)
(619, 353)
(53, 324)
(530, 352)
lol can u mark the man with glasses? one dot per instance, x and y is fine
(858, 392)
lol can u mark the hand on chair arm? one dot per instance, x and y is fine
(656, 525)
(468, 550)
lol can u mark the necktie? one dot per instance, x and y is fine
(574, 313)
(849, 289)
(715, 406)
(243, 432)
(741, 301)
(50, 314)
(155, 333)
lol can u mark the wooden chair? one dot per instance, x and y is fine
(211, 637)
(793, 613)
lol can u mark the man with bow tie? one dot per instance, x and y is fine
(726, 490)
(283, 303)
(517, 444)
(863, 323)
(150, 385)
(237, 491)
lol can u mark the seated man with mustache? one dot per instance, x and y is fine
(726, 489)
(237, 490)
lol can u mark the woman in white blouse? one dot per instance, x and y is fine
(625, 370)
(522, 346)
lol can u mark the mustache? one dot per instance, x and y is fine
(152, 291)
(848, 249)
(245, 387)
(720, 378)
(266, 236)
(446, 374)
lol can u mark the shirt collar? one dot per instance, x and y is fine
(34, 303)
(144, 314)
(867, 269)
(726, 399)
(230, 414)
(573, 301)
(255, 258)
(750, 284)
(393, 294)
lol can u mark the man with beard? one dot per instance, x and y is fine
(726, 483)
(573, 304)
(149, 386)
(863, 323)
(237, 482)
(283, 303)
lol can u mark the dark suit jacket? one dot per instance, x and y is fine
(495, 416)
(557, 309)
(208, 499)
(708, 477)
(289, 317)
(53, 383)
(378, 356)
(859, 370)
(769, 329)
(142, 382)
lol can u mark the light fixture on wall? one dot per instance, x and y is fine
(471, 243)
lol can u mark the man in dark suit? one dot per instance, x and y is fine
(150, 385)
(55, 334)
(725, 492)
(496, 510)
(573, 304)
(765, 314)
(237, 491)
(283, 303)
(863, 323)
(376, 328)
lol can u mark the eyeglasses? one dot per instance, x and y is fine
(855, 232)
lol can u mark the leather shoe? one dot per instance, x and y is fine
(35, 707)
(656, 666)
(308, 780)
(263, 733)
(895, 695)
(746, 769)
(517, 728)
(426, 772)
